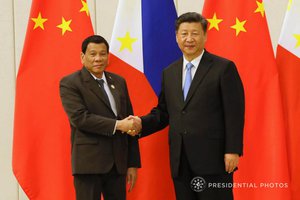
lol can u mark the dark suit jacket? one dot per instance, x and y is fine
(94, 147)
(209, 123)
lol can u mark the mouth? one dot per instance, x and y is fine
(98, 66)
(189, 46)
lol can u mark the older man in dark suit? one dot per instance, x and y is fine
(97, 104)
(202, 99)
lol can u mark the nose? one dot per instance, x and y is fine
(97, 58)
(189, 37)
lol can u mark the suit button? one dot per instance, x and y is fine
(183, 112)
(185, 132)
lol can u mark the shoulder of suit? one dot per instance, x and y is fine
(217, 58)
(71, 76)
(174, 64)
(221, 63)
(115, 77)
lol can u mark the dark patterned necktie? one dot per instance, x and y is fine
(101, 83)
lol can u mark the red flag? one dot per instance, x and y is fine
(288, 61)
(41, 147)
(238, 31)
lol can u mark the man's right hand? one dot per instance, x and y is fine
(124, 125)
(136, 127)
(132, 125)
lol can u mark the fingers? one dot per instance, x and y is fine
(124, 125)
(129, 181)
(131, 117)
(231, 162)
(136, 125)
(229, 165)
(131, 125)
(132, 132)
(131, 178)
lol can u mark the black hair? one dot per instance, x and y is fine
(191, 17)
(93, 39)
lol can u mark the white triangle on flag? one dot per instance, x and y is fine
(291, 28)
(127, 40)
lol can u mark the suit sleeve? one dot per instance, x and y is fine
(234, 109)
(78, 114)
(158, 118)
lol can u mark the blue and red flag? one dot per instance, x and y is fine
(143, 43)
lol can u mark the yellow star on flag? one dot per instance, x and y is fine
(126, 42)
(65, 25)
(289, 5)
(260, 8)
(239, 26)
(214, 22)
(297, 36)
(39, 21)
(85, 8)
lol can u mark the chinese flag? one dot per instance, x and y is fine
(142, 45)
(288, 61)
(41, 146)
(238, 31)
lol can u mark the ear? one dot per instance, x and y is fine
(176, 33)
(205, 37)
(108, 59)
(82, 57)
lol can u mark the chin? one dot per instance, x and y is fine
(97, 71)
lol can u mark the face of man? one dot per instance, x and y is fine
(95, 58)
(191, 39)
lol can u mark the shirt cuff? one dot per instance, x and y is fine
(115, 128)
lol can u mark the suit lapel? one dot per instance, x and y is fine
(202, 70)
(94, 87)
(178, 81)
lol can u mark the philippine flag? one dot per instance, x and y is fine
(288, 61)
(143, 43)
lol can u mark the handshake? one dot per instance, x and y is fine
(132, 125)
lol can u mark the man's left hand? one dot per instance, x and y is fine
(131, 177)
(231, 161)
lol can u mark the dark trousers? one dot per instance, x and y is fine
(191, 186)
(90, 186)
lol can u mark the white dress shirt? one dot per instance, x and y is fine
(195, 62)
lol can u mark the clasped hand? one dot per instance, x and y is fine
(131, 125)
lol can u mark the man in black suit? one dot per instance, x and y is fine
(202, 100)
(97, 104)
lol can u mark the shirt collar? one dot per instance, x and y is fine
(195, 62)
(103, 77)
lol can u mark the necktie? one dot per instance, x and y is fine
(188, 79)
(101, 83)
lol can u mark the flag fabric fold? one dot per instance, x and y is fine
(143, 43)
(288, 62)
(41, 146)
(238, 31)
